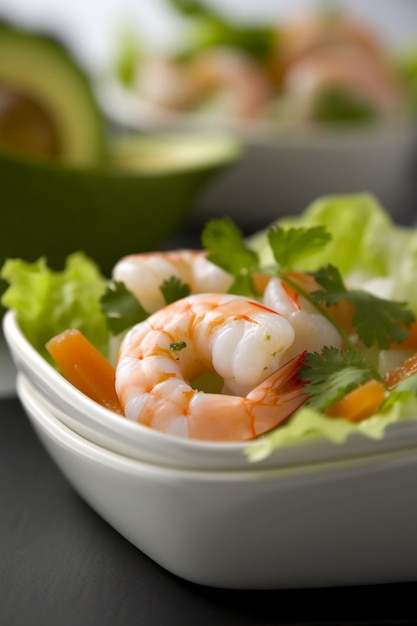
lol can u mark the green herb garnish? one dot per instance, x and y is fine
(226, 248)
(177, 346)
(290, 245)
(173, 289)
(121, 308)
(377, 321)
(332, 374)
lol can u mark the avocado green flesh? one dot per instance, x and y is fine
(50, 92)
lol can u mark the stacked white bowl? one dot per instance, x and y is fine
(312, 514)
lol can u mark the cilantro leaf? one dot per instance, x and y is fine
(173, 289)
(177, 346)
(332, 374)
(380, 321)
(121, 308)
(290, 245)
(330, 279)
(377, 320)
(226, 248)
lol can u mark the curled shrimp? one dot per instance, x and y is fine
(312, 329)
(241, 340)
(224, 73)
(321, 52)
(143, 274)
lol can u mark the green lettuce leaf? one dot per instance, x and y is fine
(365, 242)
(47, 301)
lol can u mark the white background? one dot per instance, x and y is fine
(93, 26)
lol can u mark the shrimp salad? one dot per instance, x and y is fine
(305, 328)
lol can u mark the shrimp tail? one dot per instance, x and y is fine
(282, 392)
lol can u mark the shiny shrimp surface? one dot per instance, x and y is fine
(240, 340)
(143, 274)
(312, 330)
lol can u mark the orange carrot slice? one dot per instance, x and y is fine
(359, 403)
(85, 367)
(395, 376)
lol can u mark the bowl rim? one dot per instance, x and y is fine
(65, 436)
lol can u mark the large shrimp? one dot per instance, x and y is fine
(143, 274)
(312, 329)
(241, 340)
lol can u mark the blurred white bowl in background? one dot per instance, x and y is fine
(282, 174)
(284, 169)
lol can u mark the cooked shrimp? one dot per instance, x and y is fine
(164, 83)
(321, 52)
(312, 329)
(223, 73)
(233, 76)
(307, 33)
(143, 274)
(349, 70)
(241, 340)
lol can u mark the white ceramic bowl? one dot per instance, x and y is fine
(110, 431)
(284, 169)
(282, 175)
(340, 523)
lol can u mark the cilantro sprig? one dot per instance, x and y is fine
(123, 310)
(377, 321)
(173, 289)
(332, 374)
(293, 244)
(225, 247)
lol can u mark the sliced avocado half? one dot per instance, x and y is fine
(47, 107)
